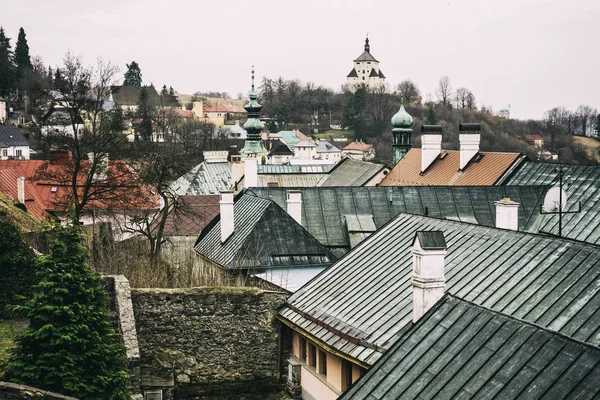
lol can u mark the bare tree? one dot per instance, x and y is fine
(408, 91)
(379, 107)
(90, 179)
(585, 113)
(465, 99)
(444, 90)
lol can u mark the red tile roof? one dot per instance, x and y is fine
(48, 184)
(8, 186)
(196, 213)
(361, 146)
(183, 113)
(216, 108)
(446, 172)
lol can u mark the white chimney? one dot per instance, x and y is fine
(294, 205)
(237, 170)
(507, 214)
(101, 166)
(21, 189)
(250, 172)
(469, 147)
(226, 211)
(431, 147)
(428, 280)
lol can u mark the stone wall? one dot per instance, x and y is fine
(14, 391)
(217, 343)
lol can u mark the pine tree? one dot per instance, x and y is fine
(7, 67)
(172, 97)
(59, 83)
(598, 125)
(133, 75)
(145, 112)
(50, 77)
(22, 58)
(431, 116)
(69, 346)
(163, 92)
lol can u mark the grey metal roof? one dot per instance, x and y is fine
(362, 304)
(324, 208)
(11, 136)
(325, 147)
(584, 187)
(203, 179)
(294, 169)
(431, 240)
(366, 56)
(352, 74)
(350, 172)
(460, 350)
(264, 236)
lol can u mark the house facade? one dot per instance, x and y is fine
(13, 144)
(3, 110)
(359, 150)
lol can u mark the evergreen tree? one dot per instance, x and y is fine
(50, 77)
(7, 68)
(59, 83)
(598, 125)
(431, 115)
(22, 58)
(163, 92)
(69, 346)
(145, 112)
(353, 114)
(172, 97)
(133, 75)
(17, 266)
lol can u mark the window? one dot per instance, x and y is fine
(312, 355)
(346, 375)
(4, 153)
(322, 364)
(19, 153)
(302, 348)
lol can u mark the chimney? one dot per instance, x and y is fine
(507, 214)
(294, 205)
(469, 142)
(226, 211)
(237, 170)
(250, 172)
(198, 109)
(21, 189)
(101, 166)
(428, 280)
(431, 147)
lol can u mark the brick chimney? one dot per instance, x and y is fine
(294, 205)
(226, 211)
(507, 214)
(21, 189)
(250, 172)
(431, 147)
(469, 138)
(428, 279)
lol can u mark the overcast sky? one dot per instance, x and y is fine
(531, 54)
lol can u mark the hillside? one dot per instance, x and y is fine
(592, 146)
(26, 222)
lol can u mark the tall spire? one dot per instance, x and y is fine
(367, 46)
(254, 126)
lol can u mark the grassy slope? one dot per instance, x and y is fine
(26, 222)
(592, 145)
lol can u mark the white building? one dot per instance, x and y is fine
(327, 151)
(366, 71)
(13, 145)
(3, 113)
(59, 122)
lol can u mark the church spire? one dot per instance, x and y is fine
(401, 132)
(253, 146)
(367, 46)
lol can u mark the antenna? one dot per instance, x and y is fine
(555, 201)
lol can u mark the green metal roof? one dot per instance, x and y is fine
(261, 239)
(288, 137)
(362, 304)
(460, 350)
(324, 208)
(582, 187)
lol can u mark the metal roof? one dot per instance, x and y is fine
(294, 169)
(350, 172)
(205, 178)
(445, 170)
(11, 136)
(362, 304)
(431, 240)
(365, 56)
(583, 186)
(460, 350)
(264, 236)
(325, 147)
(325, 209)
